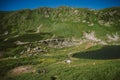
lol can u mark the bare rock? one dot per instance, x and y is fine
(20, 43)
(113, 37)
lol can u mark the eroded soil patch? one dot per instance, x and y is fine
(20, 70)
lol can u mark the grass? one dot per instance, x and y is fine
(10, 48)
(95, 63)
(24, 21)
(79, 69)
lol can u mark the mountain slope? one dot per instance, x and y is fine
(23, 21)
(51, 43)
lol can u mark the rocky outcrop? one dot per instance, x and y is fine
(113, 37)
(90, 36)
(20, 43)
(38, 29)
(60, 43)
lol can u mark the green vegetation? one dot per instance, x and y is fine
(38, 38)
(79, 69)
(23, 21)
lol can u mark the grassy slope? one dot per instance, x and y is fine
(79, 69)
(22, 21)
(25, 22)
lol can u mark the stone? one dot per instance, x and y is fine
(68, 61)
(16, 36)
(91, 36)
(15, 57)
(91, 24)
(20, 43)
(38, 71)
(54, 77)
(113, 37)
(38, 29)
(5, 33)
(28, 49)
(84, 21)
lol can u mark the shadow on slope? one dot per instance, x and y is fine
(10, 43)
(107, 52)
(33, 37)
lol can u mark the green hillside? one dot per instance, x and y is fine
(36, 44)
(24, 21)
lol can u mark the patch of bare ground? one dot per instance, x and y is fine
(20, 70)
(90, 44)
